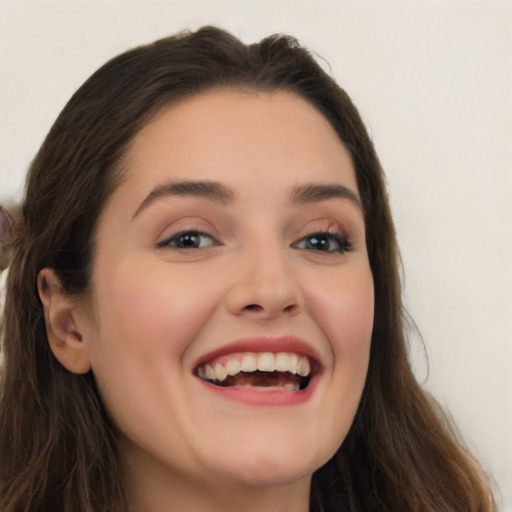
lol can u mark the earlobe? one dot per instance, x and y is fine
(65, 336)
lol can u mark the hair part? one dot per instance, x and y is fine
(58, 448)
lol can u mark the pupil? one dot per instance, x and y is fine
(316, 242)
(188, 241)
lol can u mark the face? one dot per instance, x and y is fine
(232, 294)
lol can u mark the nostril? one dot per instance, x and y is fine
(253, 307)
(257, 308)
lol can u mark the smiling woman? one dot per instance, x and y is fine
(203, 309)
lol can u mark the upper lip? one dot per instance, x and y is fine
(266, 344)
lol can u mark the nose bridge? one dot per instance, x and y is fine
(265, 282)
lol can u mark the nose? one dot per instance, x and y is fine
(265, 286)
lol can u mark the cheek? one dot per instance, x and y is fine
(344, 311)
(148, 318)
(151, 306)
(344, 308)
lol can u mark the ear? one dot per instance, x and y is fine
(61, 314)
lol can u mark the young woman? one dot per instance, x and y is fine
(204, 303)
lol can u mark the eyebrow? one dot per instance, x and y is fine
(313, 193)
(223, 194)
(212, 190)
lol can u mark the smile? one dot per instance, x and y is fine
(286, 371)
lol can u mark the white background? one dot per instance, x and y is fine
(433, 82)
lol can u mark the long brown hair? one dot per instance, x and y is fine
(58, 450)
(8, 233)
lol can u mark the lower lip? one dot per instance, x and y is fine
(255, 396)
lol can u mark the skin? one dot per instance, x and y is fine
(156, 309)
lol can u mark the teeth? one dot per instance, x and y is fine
(250, 362)
(266, 362)
(209, 373)
(282, 362)
(220, 372)
(304, 367)
(233, 367)
(293, 363)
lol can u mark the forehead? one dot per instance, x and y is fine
(244, 138)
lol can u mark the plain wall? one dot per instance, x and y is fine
(433, 83)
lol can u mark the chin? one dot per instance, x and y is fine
(268, 472)
(271, 466)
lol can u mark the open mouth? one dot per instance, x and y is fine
(259, 370)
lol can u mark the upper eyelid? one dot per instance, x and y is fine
(186, 224)
(335, 231)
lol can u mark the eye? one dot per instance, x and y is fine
(189, 240)
(324, 242)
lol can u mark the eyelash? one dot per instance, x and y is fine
(340, 239)
(322, 237)
(190, 233)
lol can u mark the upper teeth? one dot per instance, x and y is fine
(250, 362)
